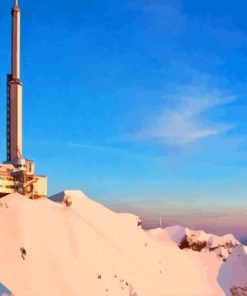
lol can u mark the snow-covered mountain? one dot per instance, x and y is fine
(199, 240)
(72, 245)
(224, 257)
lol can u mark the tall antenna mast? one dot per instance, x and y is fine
(14, 93)
(16, 40)
(18, 175)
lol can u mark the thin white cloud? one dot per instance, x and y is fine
(111, 150)
(185, 122)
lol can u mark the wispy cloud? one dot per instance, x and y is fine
(187, 121)
(111, 150)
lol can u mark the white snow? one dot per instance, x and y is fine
(48, 248)
(224, 258)
(234, 271)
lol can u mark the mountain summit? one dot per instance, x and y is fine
(72, 245)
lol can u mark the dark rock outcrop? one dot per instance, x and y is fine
(188, 243)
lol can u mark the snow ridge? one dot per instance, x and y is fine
(76, 246)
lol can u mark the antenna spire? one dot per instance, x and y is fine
(14, 93)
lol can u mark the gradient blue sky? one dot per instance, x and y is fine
(135, 102)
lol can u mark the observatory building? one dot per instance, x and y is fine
(17, 173)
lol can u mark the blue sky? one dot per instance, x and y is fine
(137, 100)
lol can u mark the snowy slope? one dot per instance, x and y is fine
(233, 274)
(72, 245)
(224, 258)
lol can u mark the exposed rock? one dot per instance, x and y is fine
(222, 250)
(139, 221)
(67, 201)
(23, 253)
(188, 243)
(238, 291)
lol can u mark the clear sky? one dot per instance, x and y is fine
(141, 104)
